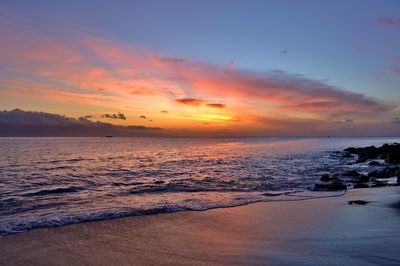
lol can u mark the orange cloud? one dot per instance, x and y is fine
(92, 71)
(189, 101)
(216, 105)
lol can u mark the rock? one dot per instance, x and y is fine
(361, 179)
(361, 160)
(385, 173)
(379, 184)
(358, 202)
(390, 172)
(334, 186)
(352, 150)
(352, 173)
(366, 153)
(374, 163)
(374, 174)
(347, 155)
(393, 157)
(325, 178)
(389, 152)
(361, 185)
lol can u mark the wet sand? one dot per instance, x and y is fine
(325, 231)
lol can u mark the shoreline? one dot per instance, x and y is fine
(285, 197)
(277, 232)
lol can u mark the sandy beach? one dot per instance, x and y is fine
(326, 231)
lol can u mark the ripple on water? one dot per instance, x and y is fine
(51, 182)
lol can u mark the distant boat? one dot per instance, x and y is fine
(109, 136)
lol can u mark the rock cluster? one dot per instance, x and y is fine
(390, 153)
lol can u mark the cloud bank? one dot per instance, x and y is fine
(24, 123)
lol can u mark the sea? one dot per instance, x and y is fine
(47, 182)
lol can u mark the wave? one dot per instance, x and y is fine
(19, 226)
(58, 190)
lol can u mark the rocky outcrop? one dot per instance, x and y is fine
(388, 152)
(332, 186)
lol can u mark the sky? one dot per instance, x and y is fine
(204, 68)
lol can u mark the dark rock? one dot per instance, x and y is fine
(386, 173)
(334, 186)
(325, 178)
(347, 155)
(389, 152)
(358, 202)
(352, 150)
(361, 179)
(374, 163)
(374, 174)
(393, 157)
(390, 172)
(352, 173)
(272, 194)
(379, 184)
(361, 185)
(361, 160)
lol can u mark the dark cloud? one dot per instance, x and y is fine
(164, 111)
(216, 105)
(198, 102)
(114, 116)
(189, 101)
(395, 120)
(86, 117)
(143, 128)
(345, 121)
(142, 117)
(25, 123)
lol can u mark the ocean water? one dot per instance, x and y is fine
(48, 182)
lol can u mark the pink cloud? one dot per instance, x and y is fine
(388, 21)
(91, 70)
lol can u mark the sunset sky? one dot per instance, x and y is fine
(234, 68)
